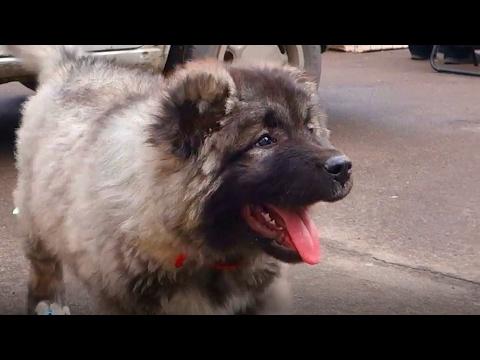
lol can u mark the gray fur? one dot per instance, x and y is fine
(96, 195)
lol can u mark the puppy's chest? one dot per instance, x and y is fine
(205, 291)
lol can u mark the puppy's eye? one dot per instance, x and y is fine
(312, 130)
(266, 140)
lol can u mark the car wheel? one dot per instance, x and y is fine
(307, 57)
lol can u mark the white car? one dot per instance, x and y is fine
(164, 58)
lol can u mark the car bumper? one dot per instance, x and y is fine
(149, 56)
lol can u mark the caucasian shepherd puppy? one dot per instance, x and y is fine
(170, 196)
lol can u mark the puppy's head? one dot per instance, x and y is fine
(255, 146)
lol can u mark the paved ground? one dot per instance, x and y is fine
(406, 240)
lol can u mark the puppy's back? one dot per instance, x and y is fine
(87, 113)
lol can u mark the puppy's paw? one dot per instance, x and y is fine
(46, 308)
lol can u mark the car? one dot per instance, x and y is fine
(164, 58)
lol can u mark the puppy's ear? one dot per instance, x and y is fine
(304, 78)
(198, 97)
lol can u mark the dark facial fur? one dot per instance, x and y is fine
(289, 172)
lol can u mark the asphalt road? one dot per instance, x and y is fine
(405, 241)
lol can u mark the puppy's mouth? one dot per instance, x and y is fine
(287, 234)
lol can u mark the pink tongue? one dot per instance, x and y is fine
(303, 233)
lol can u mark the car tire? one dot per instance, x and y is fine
(310, 56)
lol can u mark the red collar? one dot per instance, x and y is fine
(180, 260)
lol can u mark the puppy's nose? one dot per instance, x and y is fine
(339, 166)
